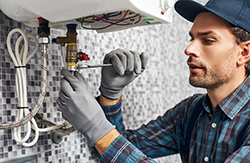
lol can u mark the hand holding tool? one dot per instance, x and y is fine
(126, 66)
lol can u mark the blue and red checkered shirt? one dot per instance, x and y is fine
(213, 138)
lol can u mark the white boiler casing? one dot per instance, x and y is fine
(60, 12)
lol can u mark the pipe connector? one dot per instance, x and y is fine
(43, 40)
(70, 40)
(71, 36)
(43, 31)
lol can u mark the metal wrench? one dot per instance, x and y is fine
(93, 66)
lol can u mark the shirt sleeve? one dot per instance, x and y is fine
(160, 137)
(114, 115)
(121, 150)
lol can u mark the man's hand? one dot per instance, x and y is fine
(81, 109)
(127, 65)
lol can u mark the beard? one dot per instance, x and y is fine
(209, 78)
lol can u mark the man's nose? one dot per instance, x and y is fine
(192, 49)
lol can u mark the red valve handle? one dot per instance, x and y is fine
(83, 56)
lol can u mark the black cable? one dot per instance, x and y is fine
(111, 23)
(116, 23)
(105, 17)
(96, 28)
(138, 20)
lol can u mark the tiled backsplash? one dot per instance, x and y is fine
(160, 87)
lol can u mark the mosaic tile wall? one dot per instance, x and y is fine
(160, 87)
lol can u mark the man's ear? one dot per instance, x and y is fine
(244, 55)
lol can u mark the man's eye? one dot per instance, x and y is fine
(191, 39)
(208, 41)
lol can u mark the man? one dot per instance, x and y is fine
(202, 128)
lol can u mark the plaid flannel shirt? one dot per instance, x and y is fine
(213, 138)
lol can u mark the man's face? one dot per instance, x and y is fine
(212, 52)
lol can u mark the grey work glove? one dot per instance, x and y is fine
(81, 109)
(127, 65)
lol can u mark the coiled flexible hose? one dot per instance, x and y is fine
(25, 117)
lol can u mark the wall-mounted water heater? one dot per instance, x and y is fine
(99, 15)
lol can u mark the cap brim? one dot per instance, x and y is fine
(189, 9)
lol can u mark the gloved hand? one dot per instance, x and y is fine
(81, 109)
(127, 65)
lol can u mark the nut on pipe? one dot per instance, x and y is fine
(72, 57)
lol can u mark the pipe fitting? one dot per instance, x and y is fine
(71, 36)
(43, 29)
(43, 40)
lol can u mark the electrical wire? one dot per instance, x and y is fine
(96, 28)
(115, 14)
(20, 59)
(24, 116)
(113, 23)
(112, 14)
(112, 19)
(117, 23)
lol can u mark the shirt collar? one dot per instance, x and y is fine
(206, 104)
(233, 103)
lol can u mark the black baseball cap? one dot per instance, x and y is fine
(236, 12)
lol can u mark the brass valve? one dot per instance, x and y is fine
(70, 41)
